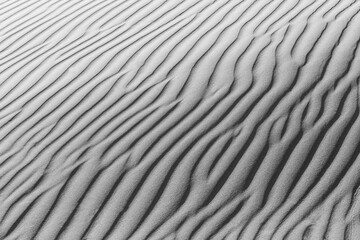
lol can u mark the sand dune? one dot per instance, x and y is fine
(179, 119)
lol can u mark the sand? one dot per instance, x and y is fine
(179, 119)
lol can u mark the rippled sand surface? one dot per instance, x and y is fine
(179, 119)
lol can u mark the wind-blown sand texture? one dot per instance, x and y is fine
(179, 119)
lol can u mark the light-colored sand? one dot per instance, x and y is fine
(179, 119)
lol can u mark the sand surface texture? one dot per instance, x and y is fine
(179, 119)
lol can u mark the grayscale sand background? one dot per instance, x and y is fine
(179, 119)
